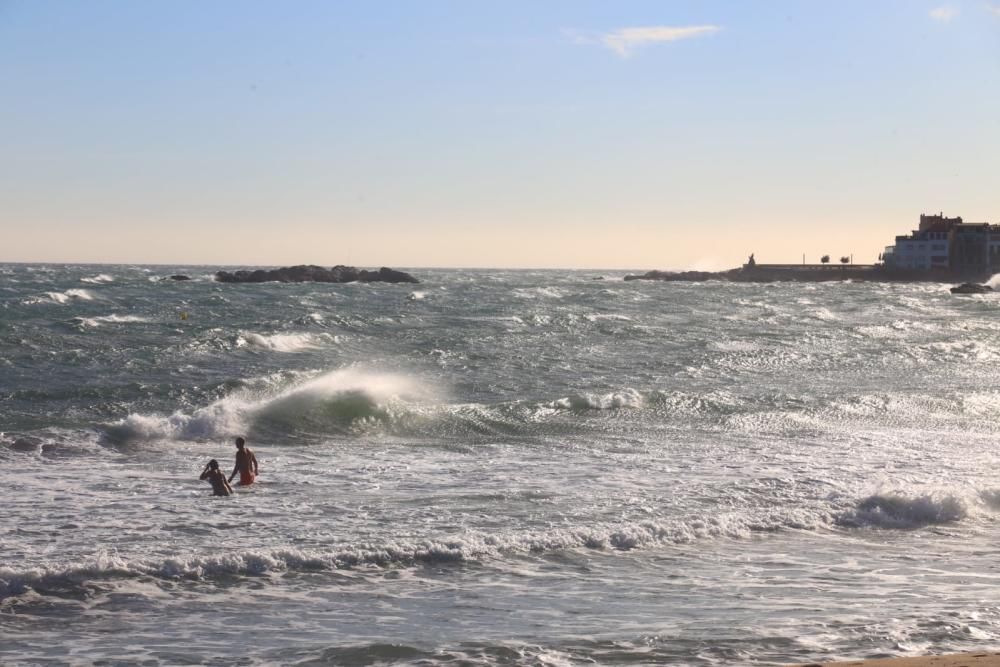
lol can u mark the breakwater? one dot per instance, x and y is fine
(764, 273)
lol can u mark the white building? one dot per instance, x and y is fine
(919, 251)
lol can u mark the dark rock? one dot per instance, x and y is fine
(26, 445)
(311, 273)
(386, 275)
(691, 276)
(971, 288)
(180, 276)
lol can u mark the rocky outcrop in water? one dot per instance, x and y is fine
(971, 288)
(690, 276)
(316, 274)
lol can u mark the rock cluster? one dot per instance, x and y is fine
(318, 274)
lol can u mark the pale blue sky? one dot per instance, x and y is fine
(658, 134)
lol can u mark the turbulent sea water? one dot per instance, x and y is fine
(496, 468)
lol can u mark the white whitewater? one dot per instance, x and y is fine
(498, 468)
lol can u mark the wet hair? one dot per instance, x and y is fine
(240, 442)
(213, 464)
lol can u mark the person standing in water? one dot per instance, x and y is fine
(220, 487)
(246, 464)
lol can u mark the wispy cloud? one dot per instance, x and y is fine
(625, 40)
(944, 14)
(992, 9)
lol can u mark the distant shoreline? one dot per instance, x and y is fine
(761, 273)
(811, 273)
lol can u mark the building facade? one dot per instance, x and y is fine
(919, 251)
(946, 244)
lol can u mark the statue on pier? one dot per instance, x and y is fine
(751, 261)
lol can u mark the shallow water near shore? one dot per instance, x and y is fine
(494, 467)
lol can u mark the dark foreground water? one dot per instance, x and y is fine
(510, 468)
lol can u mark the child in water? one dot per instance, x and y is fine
(220, 487)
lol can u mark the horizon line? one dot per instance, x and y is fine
(407, 267)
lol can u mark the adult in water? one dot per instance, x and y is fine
(246, 463)
(220, 487)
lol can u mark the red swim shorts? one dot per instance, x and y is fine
(246, 478)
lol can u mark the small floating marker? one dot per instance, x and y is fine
(184, 315)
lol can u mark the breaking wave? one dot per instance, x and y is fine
(901, 512)
(62, 297)
(471, 547)
(341, 401)
(627, 398)
(351, 402)
(98, 279)
(92, 322)
(888, 511)
(293, 342)
(531, 293)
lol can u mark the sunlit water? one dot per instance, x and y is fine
(494, 468)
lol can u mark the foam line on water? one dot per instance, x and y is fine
(475, 546)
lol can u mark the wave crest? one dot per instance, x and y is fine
(61, 297)
(292, 342)
(474, 546)
(341, 401)
(626, 398)
(93, 322)
(98, 279)
(900, 512)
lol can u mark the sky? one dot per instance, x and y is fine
(660, 134)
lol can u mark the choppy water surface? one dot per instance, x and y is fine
(494, 468)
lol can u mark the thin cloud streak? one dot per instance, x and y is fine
(625, 40)
(944, 14)
(993, 9)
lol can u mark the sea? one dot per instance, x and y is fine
(494, 467)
